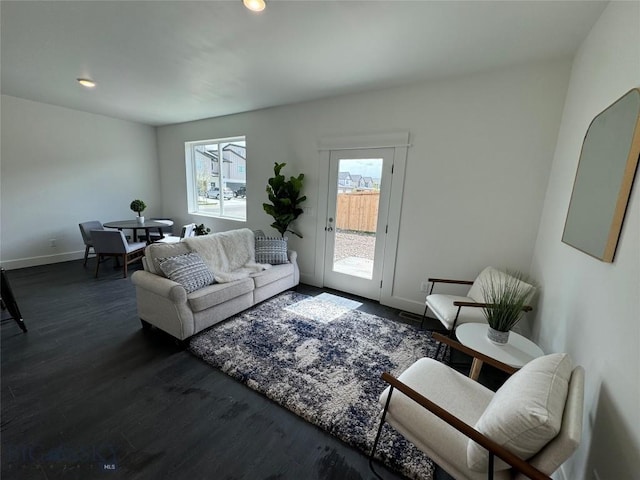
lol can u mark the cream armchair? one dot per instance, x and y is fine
(526, 429)
(454, 310)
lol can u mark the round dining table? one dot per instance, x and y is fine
(134, 225)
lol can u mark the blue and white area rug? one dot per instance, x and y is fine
(326, 372)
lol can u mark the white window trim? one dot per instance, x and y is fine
(190, 169)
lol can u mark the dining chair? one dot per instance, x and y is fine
(187, 231)
(85, 231)
(155, 236)
(112, 243)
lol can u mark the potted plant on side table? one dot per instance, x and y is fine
(506, 297)
(138, 206)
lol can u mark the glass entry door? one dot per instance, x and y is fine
(356, 220)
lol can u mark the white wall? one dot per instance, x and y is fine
(589, 308)
(60, 167)
(480, 161)
(477, 171)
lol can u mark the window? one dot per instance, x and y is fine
(216, 177)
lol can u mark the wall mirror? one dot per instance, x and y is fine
(604, 178)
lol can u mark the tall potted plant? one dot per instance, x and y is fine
(138, 206)
(506, 298)
(285, 197)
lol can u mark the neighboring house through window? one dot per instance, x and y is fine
(217, 177)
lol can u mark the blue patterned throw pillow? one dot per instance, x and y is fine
(188, 270)
(271, 250)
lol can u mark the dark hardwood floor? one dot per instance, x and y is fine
(86, 393)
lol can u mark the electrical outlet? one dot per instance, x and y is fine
(52, 242)
(423, 287)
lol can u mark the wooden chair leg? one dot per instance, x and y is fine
(125, 259)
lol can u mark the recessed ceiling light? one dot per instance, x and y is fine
(254, 5)
(85, 82)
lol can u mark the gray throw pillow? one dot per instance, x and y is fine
(272, 250)
(188, 270)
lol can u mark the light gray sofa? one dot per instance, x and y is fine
(167, 305)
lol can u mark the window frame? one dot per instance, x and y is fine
(191, 170)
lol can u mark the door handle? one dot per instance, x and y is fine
(328, 229)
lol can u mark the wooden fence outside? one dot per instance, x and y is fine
(357, 211)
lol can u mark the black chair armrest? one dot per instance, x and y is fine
(493, 447)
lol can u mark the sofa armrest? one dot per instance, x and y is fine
(160, 286)
(293, 256)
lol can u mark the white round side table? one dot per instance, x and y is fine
(516, 352)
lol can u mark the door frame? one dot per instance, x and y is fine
(365, 287)
(399, 141)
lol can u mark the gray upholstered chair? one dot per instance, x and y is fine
(188, 230)
(85, 231)
(526, 429)
(113, 243)
(454, 310)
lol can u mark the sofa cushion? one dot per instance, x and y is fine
(442, 306)
(160, 251)
(272, 250)
(273, 274)
(219, 293)
(188, 270)
(526, 412)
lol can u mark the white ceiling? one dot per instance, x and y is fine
(162, 62)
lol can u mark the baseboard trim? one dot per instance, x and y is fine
(41, 260)
(403, 304)
(400, 303)
(309, 280)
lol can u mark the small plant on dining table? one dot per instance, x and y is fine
(138, 206)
